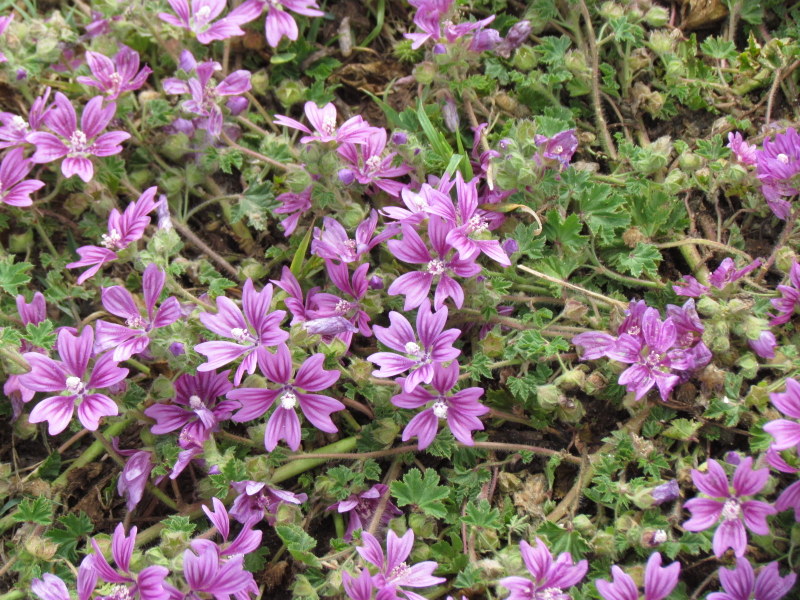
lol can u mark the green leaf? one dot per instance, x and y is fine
(217, 284)
(37, 510)
(50, 468)
(682, 429)
(41, 335)
(565, 232)
(644, 258)
(435, 137)
(712, 149)
(562, 540)
(603, 211)
(481, 514)
(719, 48)
(298, 543)
(13, 276)
(424, 493)
(74, 528)
(178, 524)
(300, 253)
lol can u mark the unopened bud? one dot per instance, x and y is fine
(657, 16)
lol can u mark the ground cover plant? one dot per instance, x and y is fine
(447, 298)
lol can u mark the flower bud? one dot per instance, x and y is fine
(346, 176)
(524, 58)
(604, 545)
(708, 307)
(652, 538)
(375, 282)
(20, 242)
(399, 138)
(549, 397)
(290, 91)
(425, 73)
(177, 349)
(666, 492)
(661, 42)
(657, 16)
(689, 161)
(298, 180)
(611, 10)
(450, 115)
(583, 525)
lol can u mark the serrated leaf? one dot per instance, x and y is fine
(563, 540)
(178, 524)
(74, 528)
(13, 275)
(34, 510)
(481, 514)
(298, 543)
(644, 258)
(565, 232)
(41, 334)
(682, 429)
(603, 211)
(423, 492)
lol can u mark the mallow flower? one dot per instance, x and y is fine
(75, 383)
(76, 145)
(549, 578)
(726, 505)
(658, 582)
(741, 583)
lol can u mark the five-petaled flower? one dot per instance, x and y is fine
(727, 506)
(419, 357)
(197, 17)
(741, 583)
(550, 577)
(284, 423)
(70, 379)
(658, 581)
(253, 332)
(75, 145)
(113, 77)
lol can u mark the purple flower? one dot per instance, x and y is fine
(15, 129)
(394, 573)
(416, 285)
(786, 433)
(205, 93)
(123, 230)
(117, 76)
(247, 540)
(196, 408)
(515, 37)
(198, 16)
(666, 492)
(728, 507)
(745, 153)
(148, 584)
(77, 145)
(690, 287)
(355, 130)
(51, 587)
(558, 148)
(13, 190)
(357, 588)
(253, 332)
(727, 272)
(550, 577)
(207, 572)
(329, 305)
(652, 356)
(284, 423)
(742, 584)
(367, 165)
(279, 23)
(294, 205)
(135, 475)
(34, 312)
(255, 498)
(765, 345)
(134, 337)
(790, 497)
(361, 508)
(333, 243)
(434, 348)
(469, 224)
(790, 297)
(69, 378)
(777, 166)
(418, 205)
(461, 409)
(658, 581)
(4, 23)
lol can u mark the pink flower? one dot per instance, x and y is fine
(279, 23)
(729, 507)
(355, 130)
(77, 145)
(197, 17)
(14, 189)
(117, 76)
(550, 577)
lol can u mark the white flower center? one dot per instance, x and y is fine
(74, 385)
(558, 149)
(436, 267)
(135, 323)
(783, 158)
(288, 400)
(195, 402)
(412, 348)
(419, 201)
(440, 409)
(653, 359)
(19, 124)
(731, 510)
(241, 335)
(120, 592)
(552, 593)
(659, 537)
(329, 122)
(342, 307)
(477, 224)
(373, 162)
(77, 144)
(111, 239)
(399, 571)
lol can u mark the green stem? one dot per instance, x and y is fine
(704, 242)
(294, 468)
(572, 286)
